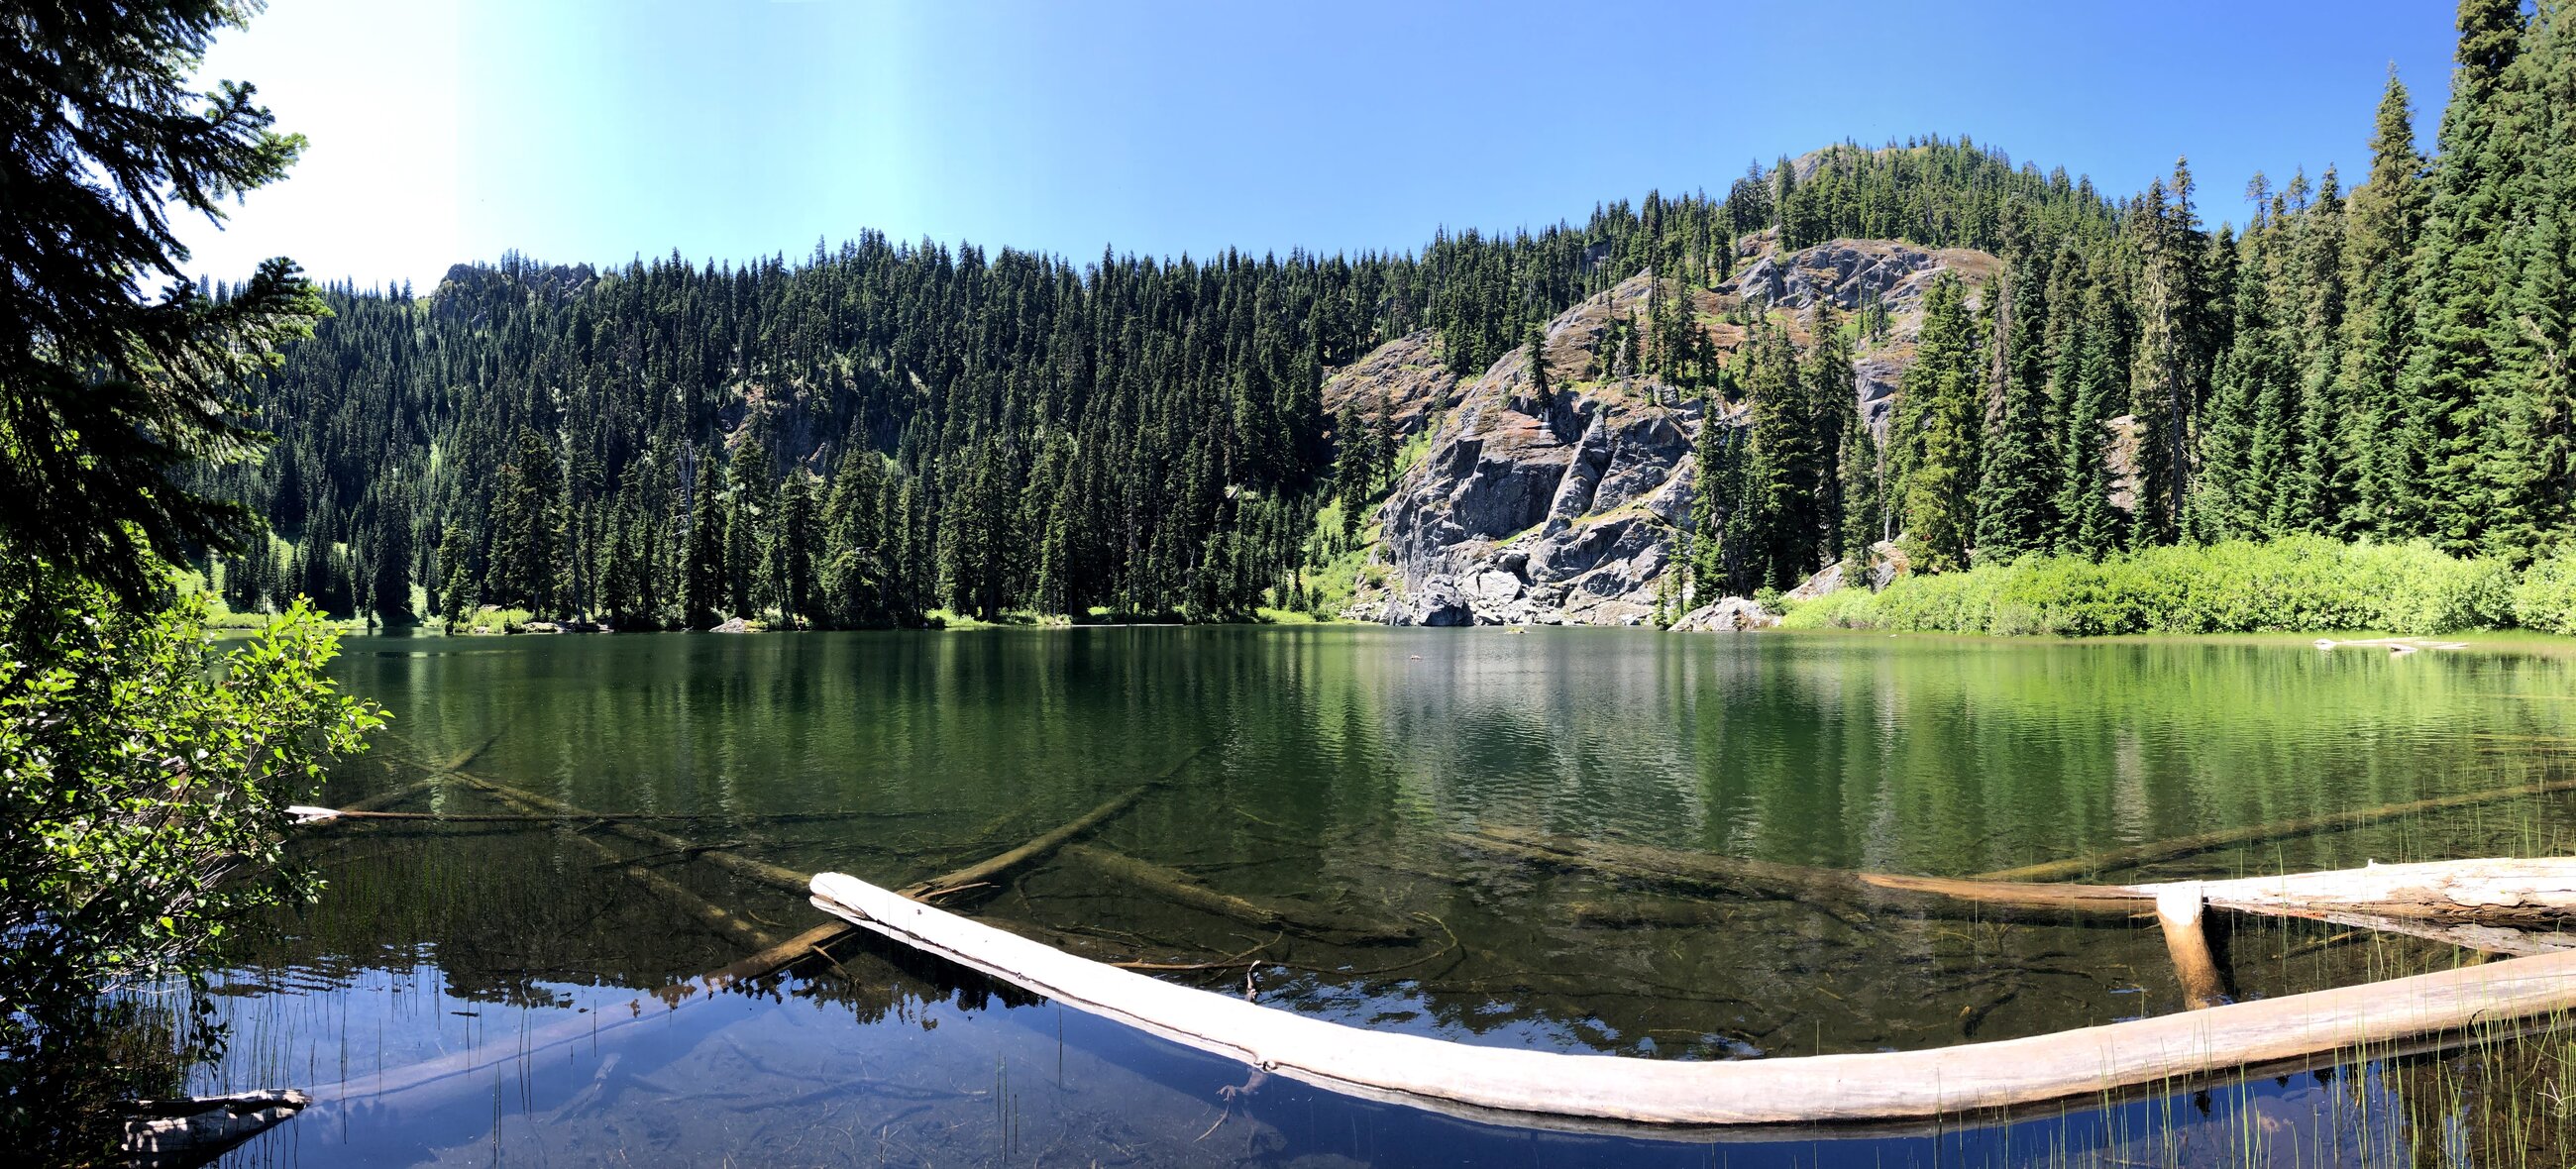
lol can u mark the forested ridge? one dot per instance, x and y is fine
(882, 430)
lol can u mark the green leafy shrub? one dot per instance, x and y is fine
(2545, 598)
(2293, 584)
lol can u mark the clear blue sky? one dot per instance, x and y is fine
(599, 129)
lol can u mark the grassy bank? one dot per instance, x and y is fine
(2301, 584)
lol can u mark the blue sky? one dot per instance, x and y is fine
(596, 130)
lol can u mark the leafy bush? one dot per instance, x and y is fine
(2294, 584)
(140, 767)
(2545, 599)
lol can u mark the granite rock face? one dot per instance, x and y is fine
(1567, 512)
(1402, 384)
(1554, 513)
(1850, 274)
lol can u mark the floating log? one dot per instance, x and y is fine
(2497, 905)
(1181, 888)
(1808, 1089)
(2183, 846)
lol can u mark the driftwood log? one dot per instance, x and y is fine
(2511, 906)
(1807, 1089)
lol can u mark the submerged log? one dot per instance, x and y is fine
(1850, 1087)
(196, 1130)
(1181, 888)
(2183, 846)
(1839, 893)
(986, 871)
(706, 913)
(778, 876)
(312, 815)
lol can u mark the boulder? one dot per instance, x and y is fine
(1726, 615)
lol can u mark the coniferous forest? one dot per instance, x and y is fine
(880, 431)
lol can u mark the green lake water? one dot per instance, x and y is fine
(1349, 773)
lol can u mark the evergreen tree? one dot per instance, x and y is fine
(792, 553)
(1936, 432)
(2461, 274)
(2384, 434)
(526, 565)
(1534, 343)
(707, 594)
(2020, 487)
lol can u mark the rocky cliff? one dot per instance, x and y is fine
(1566, 512)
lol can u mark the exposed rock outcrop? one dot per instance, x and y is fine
(1853, 273)
(1566, 512)
(1555, 513)
(1403, 385)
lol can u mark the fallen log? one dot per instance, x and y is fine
(1807, 1089)
(986, 871)
(778, 876)
(313, 815)
(387, 799)
(706, 913)
(1838, 893)
(2178, 911)
(1183, 889)
(2496, 905)
(196, 1130)
(2184, 846)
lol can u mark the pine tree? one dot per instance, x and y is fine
(2531, 458)
(1833, 402)
(2461, 275)
(2018, 492)
(2240, 443)
(2170, 356)
(2318, 494)
(1936, 432)
(525, 567)
(2384, 434)
(793, 550)
(1780, 485)
(707, 594)
(1534, 342)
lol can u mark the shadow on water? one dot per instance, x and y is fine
(1350, 764)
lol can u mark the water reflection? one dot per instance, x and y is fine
(1346, 766)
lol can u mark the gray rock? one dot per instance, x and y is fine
(1568, 514)
(1726, 615)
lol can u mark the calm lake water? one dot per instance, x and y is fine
(1350, 772)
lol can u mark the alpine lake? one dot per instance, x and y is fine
(1389, 785)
